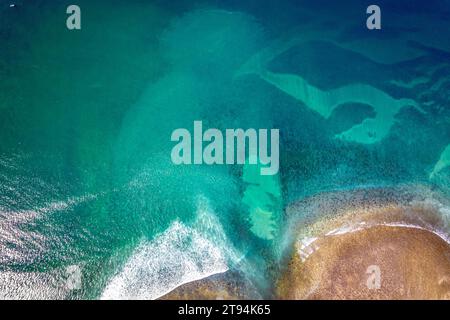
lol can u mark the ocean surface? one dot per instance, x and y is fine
(91, 205)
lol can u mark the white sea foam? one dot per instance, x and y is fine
(179, 255)
(307, 247)
(348, 229)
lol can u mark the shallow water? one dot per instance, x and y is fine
(86, 178)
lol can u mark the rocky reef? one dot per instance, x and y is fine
(369, 244)
(229, 285)
(412, 264)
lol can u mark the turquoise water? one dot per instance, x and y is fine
(86, 178)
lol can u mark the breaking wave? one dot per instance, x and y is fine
(179, 255)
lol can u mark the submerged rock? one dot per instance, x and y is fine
(389, 251)
(224, 286)
(412, 264)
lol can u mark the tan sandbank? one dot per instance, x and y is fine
(342, 257)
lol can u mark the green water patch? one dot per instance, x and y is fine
(66, 96)
(63, 96)
(263, 198)
(443, 162)
(201, 50)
